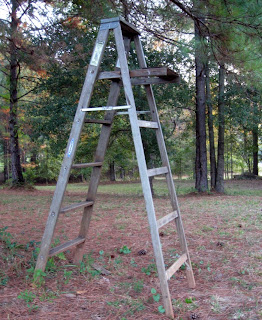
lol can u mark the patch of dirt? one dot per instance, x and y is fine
(226, 259)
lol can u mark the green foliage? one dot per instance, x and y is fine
(133, 263)
(67, 276)
(125, 250)
(86, 266)
(138, 286)
(156, 296)
(39, 277)
(3, 278)
(151, 268)
(161, 309)
(28, 297)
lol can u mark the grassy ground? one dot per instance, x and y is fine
(223, 234)
(241, 187)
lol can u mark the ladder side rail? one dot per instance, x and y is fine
(165, 160)
(143, 172)
(159, 133)
(71, 149)
(99, 157)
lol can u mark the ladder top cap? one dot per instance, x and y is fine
(127, 28)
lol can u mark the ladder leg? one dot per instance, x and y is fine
(96, 173)
(70, 151)
(143, 174)
(165, 161)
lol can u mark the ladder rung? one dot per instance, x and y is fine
(106, 108)
(147, 124)
(65, 246)
(87, 165)
(106, 122)
(171, 270)
(77, 206)
(163, 221)
(157, 171)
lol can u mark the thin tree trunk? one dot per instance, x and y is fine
(201, 183)
(112, 172)
(6, 158)
(17, 176)
(211, 131)
(231, 155)
(255, 140)
(246, 151)
(221, 132)
(255, 151)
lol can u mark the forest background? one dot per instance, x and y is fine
(211, 120)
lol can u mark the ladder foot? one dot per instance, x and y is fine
(79, 253)
(190, 278)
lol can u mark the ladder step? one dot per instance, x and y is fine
(106, 122)
(157, 171)
(106, 108)
(147, 124)
(77, 206)
(65, 246)
(163, 221)
(87, 165)
(171, 270)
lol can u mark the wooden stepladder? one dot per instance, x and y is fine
(121, 77)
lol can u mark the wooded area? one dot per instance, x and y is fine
(211, 119)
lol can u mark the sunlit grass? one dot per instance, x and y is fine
(128, 188)
(160, 188)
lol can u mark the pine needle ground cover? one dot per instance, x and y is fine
(118, 278)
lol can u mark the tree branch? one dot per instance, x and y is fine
(4, 87)
(26, 9)
(25, 94)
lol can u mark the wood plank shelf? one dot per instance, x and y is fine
(77, 206)
(65, 246)
(160, 75)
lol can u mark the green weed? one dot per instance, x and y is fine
(151, 268)
(67, 276)
(125, 250)
(3, 278)
(156, 298)
(188, 304)
(39, 277)
(28, 297)
(138, 286)
(86, 266)
(131, 305)
(133, 263)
